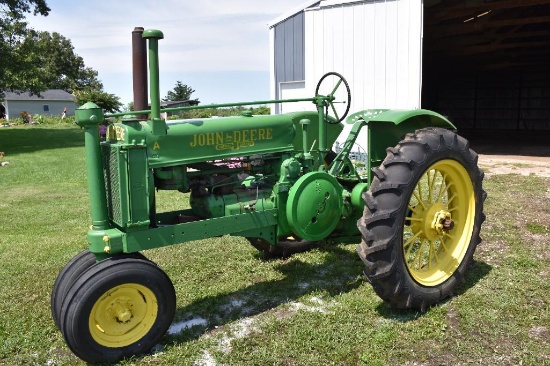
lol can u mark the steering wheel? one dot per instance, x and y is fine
(336, 89)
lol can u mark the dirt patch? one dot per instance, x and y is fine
(515, 164)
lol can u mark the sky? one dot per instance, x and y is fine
(219, 48)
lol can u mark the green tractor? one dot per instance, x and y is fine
(415, 204)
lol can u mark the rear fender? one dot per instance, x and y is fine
(386, 127)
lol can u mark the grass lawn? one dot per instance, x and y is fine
(234, 308)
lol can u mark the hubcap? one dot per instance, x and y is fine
(123, 315)
(439, 223)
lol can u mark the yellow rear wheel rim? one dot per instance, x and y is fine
(123, 315)
(439, 223)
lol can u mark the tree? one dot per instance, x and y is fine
(25, 6)
(49, 61)
(12, 31)
(109, 102)
(181, 92)
(35, 61)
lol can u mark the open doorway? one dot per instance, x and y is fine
(485, 63)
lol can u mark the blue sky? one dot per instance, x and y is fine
(219, 48)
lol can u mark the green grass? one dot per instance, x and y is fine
(314, 308)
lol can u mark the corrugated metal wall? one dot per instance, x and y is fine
(289, 49)
(375, 45)
(289, 57)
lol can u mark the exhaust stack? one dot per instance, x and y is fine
(139, 71)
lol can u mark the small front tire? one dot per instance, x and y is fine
(119, 307)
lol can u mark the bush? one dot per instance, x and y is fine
(41, 119)
(219, 112)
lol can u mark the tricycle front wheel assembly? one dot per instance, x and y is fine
(119, 307)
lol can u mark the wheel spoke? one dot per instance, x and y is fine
(413, 209)
(334, 111)
(418, 256)
(419, 187)
(436, 257)
(430, 252)
(411, 241)
(443, 244)
(430, 186)
(441, 190)
(419, 200)
(451, 198)
(336, 87)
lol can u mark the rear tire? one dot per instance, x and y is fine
(119, 307)
(422, 219)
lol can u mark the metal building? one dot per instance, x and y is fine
(482, 63)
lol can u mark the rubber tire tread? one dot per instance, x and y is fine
(69, 274)
(386, 202)
(65, 279)
(92, 284)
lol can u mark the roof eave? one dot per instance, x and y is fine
(291, 13)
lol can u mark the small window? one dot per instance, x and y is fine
(46, 108)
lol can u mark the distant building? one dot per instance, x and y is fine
(50, 103)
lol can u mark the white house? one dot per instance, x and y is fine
(50, 102)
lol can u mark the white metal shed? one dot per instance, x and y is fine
(482, 63)
(376, 45)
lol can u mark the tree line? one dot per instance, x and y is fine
(34, 61)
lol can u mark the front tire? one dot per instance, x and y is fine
(422, 219)
(69, 274)
(66, 278)
(118, 308)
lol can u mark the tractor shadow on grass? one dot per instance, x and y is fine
(477, 271)
(339, 272)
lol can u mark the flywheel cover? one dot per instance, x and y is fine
(314, 205)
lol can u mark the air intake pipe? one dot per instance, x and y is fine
(153, 35)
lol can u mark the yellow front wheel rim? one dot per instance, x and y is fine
(123, 315)
(439, 223)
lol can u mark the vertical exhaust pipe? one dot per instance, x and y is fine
(139, 71)
(153, 36)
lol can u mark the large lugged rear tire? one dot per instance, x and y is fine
(422, 218)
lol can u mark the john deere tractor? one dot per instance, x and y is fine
(414, 202)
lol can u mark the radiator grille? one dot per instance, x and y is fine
(112, 182)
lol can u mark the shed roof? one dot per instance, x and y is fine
(292, 12)
(314, 4)
(50, 94)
